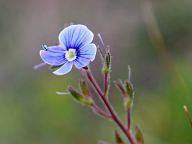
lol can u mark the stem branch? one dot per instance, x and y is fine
(99, 111)
(109, 107)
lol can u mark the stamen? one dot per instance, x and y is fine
(70, 55)
(44, 47)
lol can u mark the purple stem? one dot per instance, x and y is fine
(110, 108)
(99, 111)
(106, 78)
(129, 119)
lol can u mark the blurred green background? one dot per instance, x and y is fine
(155, 38)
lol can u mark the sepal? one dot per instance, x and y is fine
(139, 135)
(118, 138)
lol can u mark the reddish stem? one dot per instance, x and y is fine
(99, 111)
(129, 119)
(106, 79)
(110, 108)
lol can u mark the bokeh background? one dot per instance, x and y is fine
(155, 38)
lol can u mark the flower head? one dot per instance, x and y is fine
(76, 48)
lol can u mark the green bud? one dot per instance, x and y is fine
(130, 93)
(129, 88)
(118, 139)
(139, 135)
(107, 64)
(108, 60)
(84, 88)
(79, 97)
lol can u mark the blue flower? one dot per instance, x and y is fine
(76, 48)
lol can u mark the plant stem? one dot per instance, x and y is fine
(99, 111)
(129, 118)
(110, 108)
(106, 86)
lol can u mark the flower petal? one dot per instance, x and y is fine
(75, 36)
(58, 48)
(81, 62)
(88, 51)
(85, 55)
(54, 55)
(64, 69)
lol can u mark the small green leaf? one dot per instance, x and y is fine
(139, 135)
(118, 139)
(79, 97)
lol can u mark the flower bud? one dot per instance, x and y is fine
(129, 88)
(84, 88)
(130, 93)
(107, 63)
(79, 97)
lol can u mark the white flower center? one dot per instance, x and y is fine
(70, 55)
